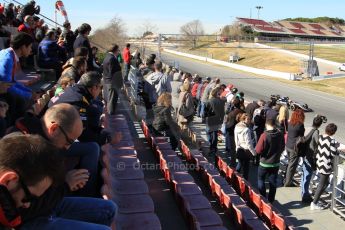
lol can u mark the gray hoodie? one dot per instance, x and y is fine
(160, 82)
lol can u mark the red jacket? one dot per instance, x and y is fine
(126, 54)
(23, 28)
(195, 89)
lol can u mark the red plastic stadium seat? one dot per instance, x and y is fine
(129, 187)
(278, 221)
(256, 202)
(139, 221)
(127, 174)
(181, 177)
(267, 213)
(134, 203)
(216, 184)
(203, 218)
(230, 173)
(185, 189)
(238, 217)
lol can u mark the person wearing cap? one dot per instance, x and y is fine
(50, 54)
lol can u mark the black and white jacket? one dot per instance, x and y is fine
(326, 150)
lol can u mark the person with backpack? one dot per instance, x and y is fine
(270, 147)
(309, 161)
(296, 130)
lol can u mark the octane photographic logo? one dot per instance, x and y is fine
(120, 166)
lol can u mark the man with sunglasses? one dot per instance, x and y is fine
(25, 175)
(62, 125)
(83, 96)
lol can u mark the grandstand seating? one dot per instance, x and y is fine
(298, 31)
(125, 183)
(270, 28)
(194, 206)
(254, 22)
(318, 32)
(316, 26)
(297, 25)
(293, 28)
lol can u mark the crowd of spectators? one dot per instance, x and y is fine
(256, 133)
(60, 188)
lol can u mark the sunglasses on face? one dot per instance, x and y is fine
(29, 197)
(68, 140)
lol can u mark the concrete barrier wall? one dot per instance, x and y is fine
(270, 73)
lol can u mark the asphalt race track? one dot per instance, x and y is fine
(333, 107)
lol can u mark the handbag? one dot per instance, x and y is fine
(183, 111)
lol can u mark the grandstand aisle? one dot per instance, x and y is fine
(165, 205)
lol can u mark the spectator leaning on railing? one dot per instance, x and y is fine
(327, 149)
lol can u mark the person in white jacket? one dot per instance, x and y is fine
(244, 140)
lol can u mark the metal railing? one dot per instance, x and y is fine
(338, 190)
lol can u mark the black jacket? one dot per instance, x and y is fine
(112, 71)
(44, 205)
(82, 41)
(69, 40)
(251, 107)
(82, 100)
(214, 106)
(162, 118)
(294, 132)
(230, 120)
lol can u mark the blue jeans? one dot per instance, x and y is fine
(213, 139)
(272, 174)
(202, 109)
(89, 159)
(198, 109)
(306, 178)
(77, 213)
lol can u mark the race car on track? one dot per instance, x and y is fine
(293, 105)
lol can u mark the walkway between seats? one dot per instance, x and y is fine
(165, 205)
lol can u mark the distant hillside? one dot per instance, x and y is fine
(327, 20)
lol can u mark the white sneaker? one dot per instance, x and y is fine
(315, 206)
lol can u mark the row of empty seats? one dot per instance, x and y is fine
(124, 180)
(194, 206)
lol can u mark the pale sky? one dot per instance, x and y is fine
(169, 16)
